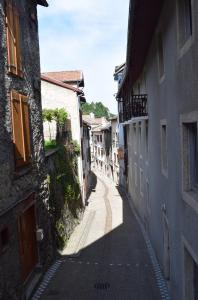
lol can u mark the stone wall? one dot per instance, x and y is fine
(65, 203)
(16, 186)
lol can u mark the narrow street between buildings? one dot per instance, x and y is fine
(106, 257)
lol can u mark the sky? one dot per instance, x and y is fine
(87, 35)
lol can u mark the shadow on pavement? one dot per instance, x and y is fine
(116, 266)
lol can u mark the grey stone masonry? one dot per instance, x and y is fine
(17, 187)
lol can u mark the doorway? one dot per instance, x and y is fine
(27, 239)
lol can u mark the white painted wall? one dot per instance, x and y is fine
(54, 96)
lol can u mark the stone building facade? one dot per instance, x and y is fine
(158, 109)
(24, 221)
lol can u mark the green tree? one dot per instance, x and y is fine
(59, 115)
(97, 108)
(47, 115)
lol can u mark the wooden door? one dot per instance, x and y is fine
(28, 243)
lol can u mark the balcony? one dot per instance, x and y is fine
(136, 107)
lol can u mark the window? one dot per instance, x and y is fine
(190, 162)
(146, 139)
(140, 137)
(101, 138)
(191, 276)
(135, 173)
(141, 182)
(185, 21)
(134, 139)
(21, 129)
(164, 154)
(13, 40)
(160, 55)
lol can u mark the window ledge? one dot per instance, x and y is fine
(191, 198)
(187, 45)
(142, 194)
(165, 173)
(161, 79)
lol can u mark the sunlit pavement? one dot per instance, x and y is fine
(106, 257)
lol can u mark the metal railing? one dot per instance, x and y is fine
(136, 107)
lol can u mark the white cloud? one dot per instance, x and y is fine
(88, 35)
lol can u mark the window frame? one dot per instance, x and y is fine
(164, 155)
(25, 129)
(187, 249)
(189, 196)
(160, 54)
(13, 39)
(189, 183)
(183, 48)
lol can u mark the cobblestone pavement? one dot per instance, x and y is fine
(106, 257)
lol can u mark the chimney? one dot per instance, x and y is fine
(92, 115)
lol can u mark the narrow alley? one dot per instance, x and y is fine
(106, 257)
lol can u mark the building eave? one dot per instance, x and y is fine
(61, 84)
(42, 2)
(143, 18)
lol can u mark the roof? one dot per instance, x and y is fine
(106, 127)
(67, 76)
(92, 121)
(59, 83)
(42, 2)
(86, 123)
(102, 127)
(143, 18)
(114, 118)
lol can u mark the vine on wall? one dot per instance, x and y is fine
(65, 196)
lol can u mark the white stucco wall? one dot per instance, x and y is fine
(54, 96)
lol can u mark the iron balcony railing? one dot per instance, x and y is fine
(136, 107)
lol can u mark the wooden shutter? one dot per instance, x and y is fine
(26, 127)
(21, 129)
(17, 129)
(13, 40)
(18, 47)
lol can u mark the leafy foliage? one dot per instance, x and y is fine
(65, 197)
(50, 145)
(97, 108)
(47, 115)
(76, 148)
(59, 115)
